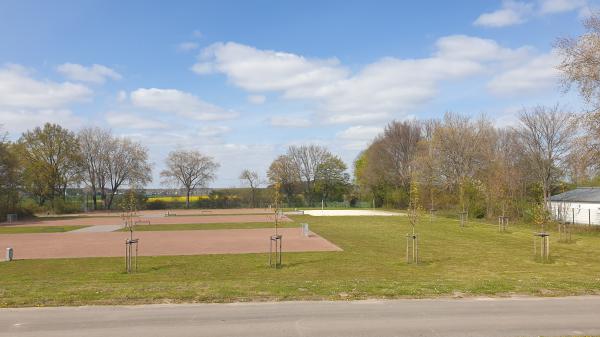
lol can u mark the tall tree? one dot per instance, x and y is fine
(331, 177)
(253, 180)
(189, 169)
(580, 66)
(51, 159)
(307, 159)
(126, 162)
(95, 144)
(546, 134)
(10, 177)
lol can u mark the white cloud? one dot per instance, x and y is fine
(180, 103)
(26, 102)
(126, 120)
(213, 131)
(17, 121)
(387, 88)
(256, 99)
(517, 12)
(511, 13)
(538, 74)
(187, 46)
(559, 6)
(464, 47)
(357, 137)
(19, 90)
(96, 73)
(267, 70)
(289, 122)
(360, 132)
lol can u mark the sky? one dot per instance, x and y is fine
(242, 80)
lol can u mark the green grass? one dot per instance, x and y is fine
(476, 260)
(38, 229)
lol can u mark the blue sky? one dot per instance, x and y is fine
(242, 80)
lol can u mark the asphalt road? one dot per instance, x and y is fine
(440, 317)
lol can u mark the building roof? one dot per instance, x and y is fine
(580, 194)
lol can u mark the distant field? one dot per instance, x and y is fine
(472, 261)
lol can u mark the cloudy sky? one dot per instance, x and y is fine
(242, 80)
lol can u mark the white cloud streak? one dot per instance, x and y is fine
(180, 103)
(95, 73)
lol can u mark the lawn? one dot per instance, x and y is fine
(476, 260)
(37, 229)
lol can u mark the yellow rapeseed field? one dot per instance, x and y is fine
(178, 198)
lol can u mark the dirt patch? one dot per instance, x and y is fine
(231, 241)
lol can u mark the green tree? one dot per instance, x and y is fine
(51, 161)
(9, 178)
(332, 181)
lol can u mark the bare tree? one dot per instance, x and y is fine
(95, 143)
(456, 143)
(400, 144)
(581, 60)
(580, 66)
(253, 180)
(189, 169)
(546, 134)
(127, 163)
(307, 159)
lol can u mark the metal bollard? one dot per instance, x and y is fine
(9, 254)
(305, 230)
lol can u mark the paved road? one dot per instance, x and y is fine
(98, 229)
(465, 317)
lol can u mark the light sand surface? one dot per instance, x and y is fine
(351, 212)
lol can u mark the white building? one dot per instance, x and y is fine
(580, 206)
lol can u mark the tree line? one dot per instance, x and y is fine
(471, 165)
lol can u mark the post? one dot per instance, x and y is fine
(9, 254)
(573, 212)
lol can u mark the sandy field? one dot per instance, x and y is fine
(195, 242)
(351, 212)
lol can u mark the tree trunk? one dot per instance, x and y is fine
(94, 200)
(187, 199)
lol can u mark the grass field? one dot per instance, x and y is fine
(38, 229)
(476, 260)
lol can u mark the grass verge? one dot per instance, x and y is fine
(38, 229)
(476, 260)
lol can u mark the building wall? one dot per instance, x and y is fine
(583, 213)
